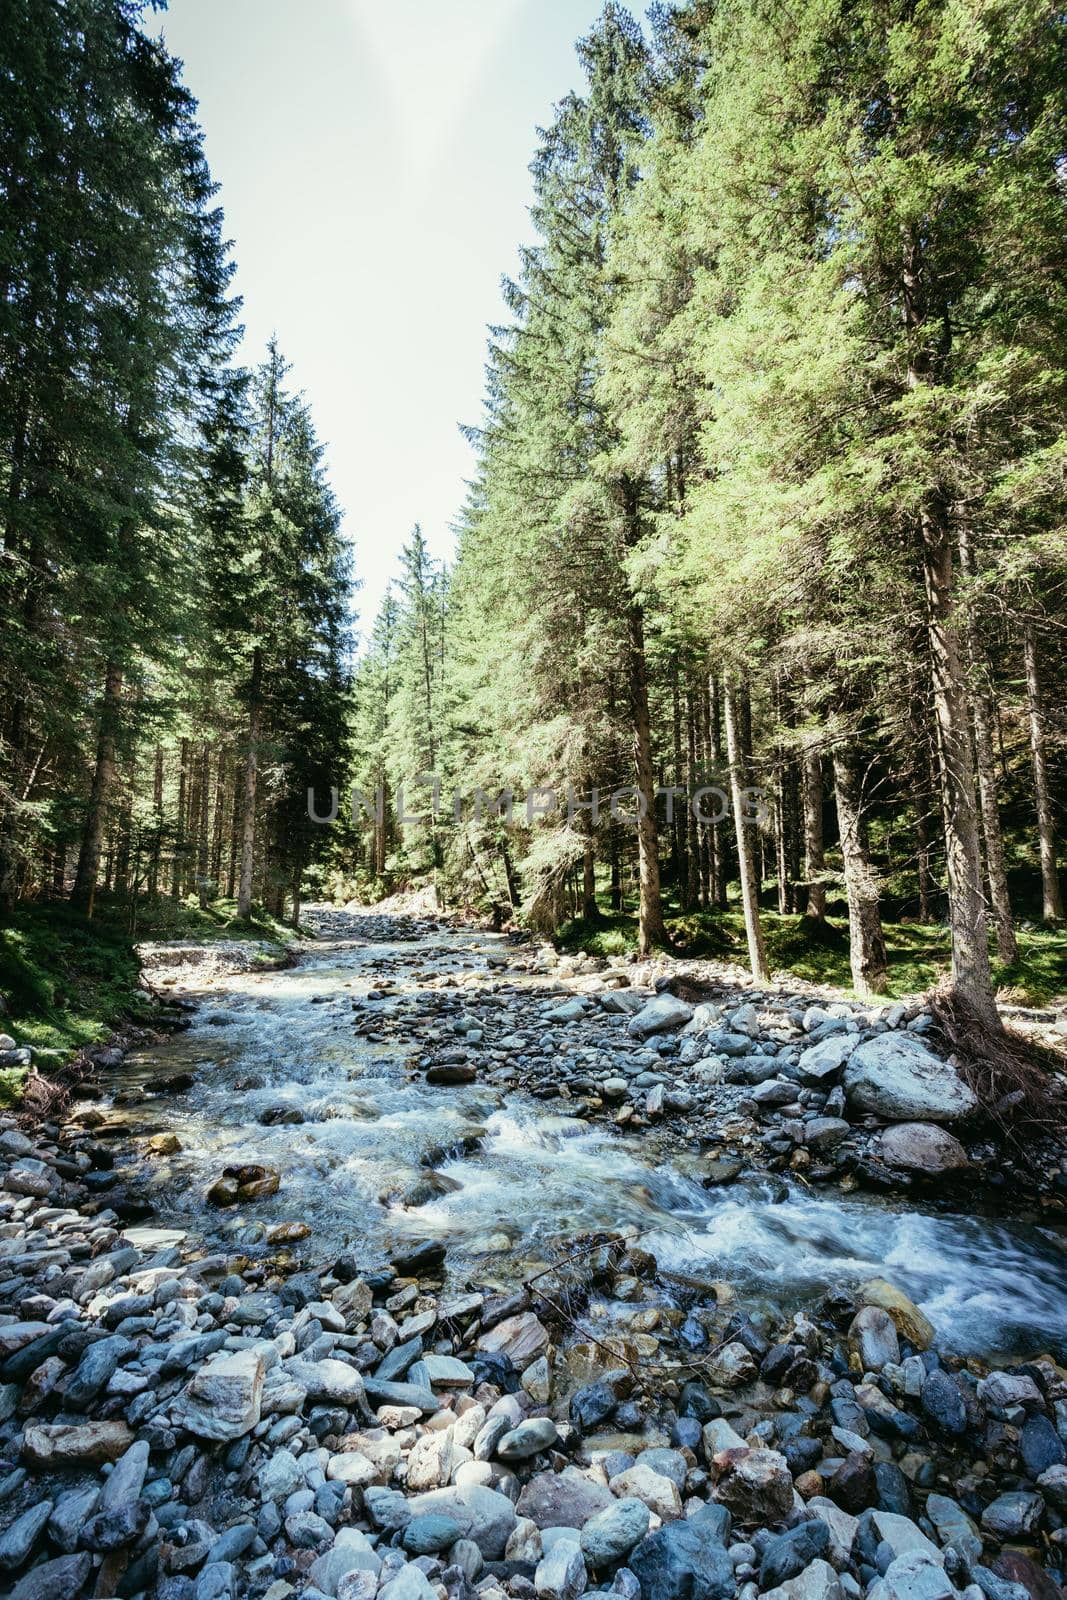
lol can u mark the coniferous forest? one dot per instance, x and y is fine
(768, 497)
(552, 1086)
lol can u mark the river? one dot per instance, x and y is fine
(517, 1178)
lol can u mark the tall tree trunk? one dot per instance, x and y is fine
(679, 864)
(203, 851)
(179, 840)
(218, 819)
(692, 896)
(103, 776)
(972, 978)
(983, 714)
(1051, 897)
(589, 905)
(157, 824)
(867, 954)
(651, 931)
(718, 838)
(251, 772)
(814, 854)
(744, 833)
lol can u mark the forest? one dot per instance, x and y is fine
(768, 496)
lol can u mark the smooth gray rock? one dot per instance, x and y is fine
(895, 1076)
(561, 1575)
(483, 1515)
(922, 1147)
(610, 1536)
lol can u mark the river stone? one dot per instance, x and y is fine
(61, 1579)
(756, 1485)
(522, 1339)
(482, 1514)
(913, 1577)
(789, 1553)
(873, 1336)
(72, 1511)
(427, 1535)
(17, 1541)
(821, 1063)
(731, 1367)
(93, 1371)
(410, 1583)
(818, 1581)
(117, 1526)
(825, 1133)
(560, 1574)
(1007, 1389)
(591, 1405)
(954, 1527)
(563, 1499)
(612, 1533)
(223, 1398)
(665, 1014)
(657, 1491)
(352, 1551)
(922, 1147)
(528, 1439)
(55, 1444)
(1040, 1446)
(1013, 1515)
(842, 1527)
(910, 1322)
(687, 1559)
(1015, 1567)
(902, 1536)
(280, 1475)
(942, 1401)
(328, 1380)
(898, 1078)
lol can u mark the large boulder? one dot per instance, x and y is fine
(665, 1014)
(895, 1076)
(922, 1147)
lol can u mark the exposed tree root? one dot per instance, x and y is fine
(1021, 1086)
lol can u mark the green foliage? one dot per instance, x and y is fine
(66, 981)
(919, 956)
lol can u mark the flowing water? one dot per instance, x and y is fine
(518, 1177)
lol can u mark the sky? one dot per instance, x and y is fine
(372, 157)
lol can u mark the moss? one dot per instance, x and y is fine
(67, 981)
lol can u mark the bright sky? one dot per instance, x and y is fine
(373, 159)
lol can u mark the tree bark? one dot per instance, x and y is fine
(867, 954)
(248, 810)
(651, 931)
(203, 841)
(972, 978)
(88, 867)
(1051, 896)
(814, 853)
(983, 715)
(744, 837)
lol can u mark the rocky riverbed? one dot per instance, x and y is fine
(685, 1365)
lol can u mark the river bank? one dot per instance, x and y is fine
(695, 1374)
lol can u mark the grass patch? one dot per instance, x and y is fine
(67, 981)
(919, 954)
(164, 918)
